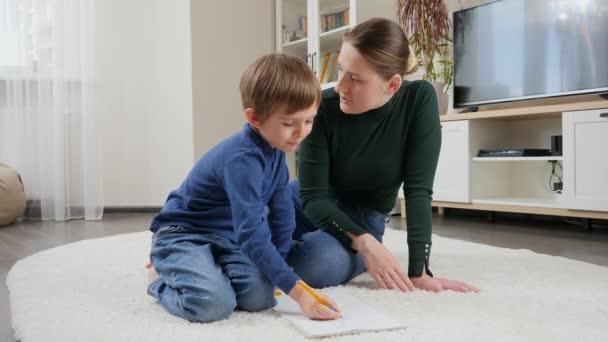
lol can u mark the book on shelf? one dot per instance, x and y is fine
(300, 31)
(333, 76)
(324, 63)
(329, 66)
(303, 24)
(334, 20)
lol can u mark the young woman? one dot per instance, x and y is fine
(372, 133)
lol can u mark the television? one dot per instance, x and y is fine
(511, 50)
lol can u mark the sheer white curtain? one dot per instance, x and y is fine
(47, 105)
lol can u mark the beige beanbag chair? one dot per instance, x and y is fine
(12, 195)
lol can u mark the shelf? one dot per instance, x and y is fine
(532, 112)
(522, 201)
(336, 31)
(333, 39)
(518, 158)
(300, 44)
(332, 6)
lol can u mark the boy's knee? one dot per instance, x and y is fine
(212, 303)
(327, 275)
(321, 261)
(258, 296)
(208, 309)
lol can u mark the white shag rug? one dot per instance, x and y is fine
(95, 290)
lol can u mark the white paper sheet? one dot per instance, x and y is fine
(357, 316)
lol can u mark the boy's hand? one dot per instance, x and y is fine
(313, 309)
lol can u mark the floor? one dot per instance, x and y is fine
(512, 231)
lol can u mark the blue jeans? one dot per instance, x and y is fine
(205, 277)
(318, 257)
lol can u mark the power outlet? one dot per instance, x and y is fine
(558, 186)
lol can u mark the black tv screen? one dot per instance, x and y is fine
(514, 50)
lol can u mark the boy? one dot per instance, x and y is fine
(221, 240)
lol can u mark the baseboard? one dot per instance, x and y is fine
(32, 209)
(130, 210)
(599, 223)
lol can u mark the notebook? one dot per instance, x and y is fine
(357, 316)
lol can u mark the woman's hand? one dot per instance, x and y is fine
(381, 264)
(425, 282)
(312, 308)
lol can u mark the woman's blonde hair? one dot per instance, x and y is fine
(384, 45)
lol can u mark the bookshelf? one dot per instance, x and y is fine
(314, 29)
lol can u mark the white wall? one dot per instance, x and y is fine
(145, 102)
(170, 72)
(227, 36)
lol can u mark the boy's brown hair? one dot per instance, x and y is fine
(278, 80)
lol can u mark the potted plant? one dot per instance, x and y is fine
(428, 27)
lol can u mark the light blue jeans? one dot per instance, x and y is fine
(319, 258)
(205, 277)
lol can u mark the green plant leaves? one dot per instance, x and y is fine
(428, 27)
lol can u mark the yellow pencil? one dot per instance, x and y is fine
(315, 295)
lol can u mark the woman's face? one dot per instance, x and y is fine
(360, 87)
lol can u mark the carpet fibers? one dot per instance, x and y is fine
(95, 290)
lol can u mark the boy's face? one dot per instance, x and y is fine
(284, 131)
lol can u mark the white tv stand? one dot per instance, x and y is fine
(521, 185)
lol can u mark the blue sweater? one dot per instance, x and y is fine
(226, 193)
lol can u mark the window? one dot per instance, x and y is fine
(26, 34)
(10, 54)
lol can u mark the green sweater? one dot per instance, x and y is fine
(364, 159)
